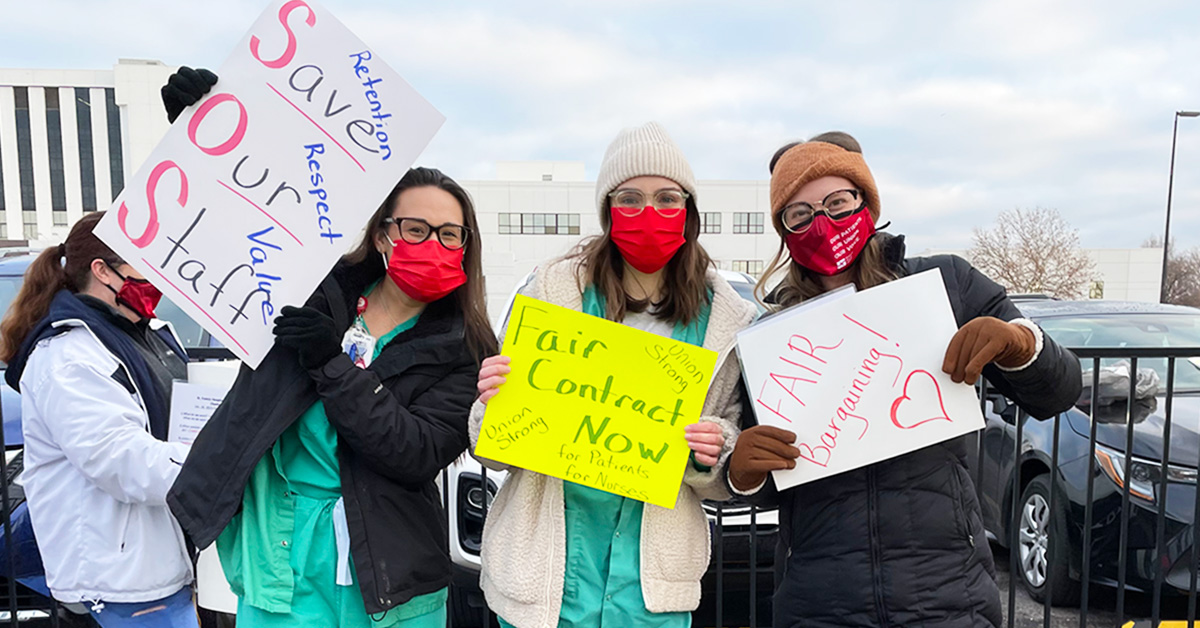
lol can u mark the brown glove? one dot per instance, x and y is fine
(983, 340)
(760, 450)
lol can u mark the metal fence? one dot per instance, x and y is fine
(1151, 574)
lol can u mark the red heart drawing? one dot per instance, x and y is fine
(811, 452)
(944, 416)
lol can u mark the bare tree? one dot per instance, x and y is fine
(1183, 273)
(1034, 250)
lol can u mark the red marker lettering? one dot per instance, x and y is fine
(151, 229)
(811, 351)
(290, 50)
(791, 386)
(776, 409)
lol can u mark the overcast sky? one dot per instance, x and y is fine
(964, 108)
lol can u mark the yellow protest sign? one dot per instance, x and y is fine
(595, 402)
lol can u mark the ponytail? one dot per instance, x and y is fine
(43, 280)
(63, 267)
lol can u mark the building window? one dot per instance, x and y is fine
(60, 217)
(58, 189)
(1097, 290)
(3, 230)
(29, 218)
(547, 177)
(541, 224)
(3, 207)
(710, 222)
(115, 161)
(87, 165)
(747, 222)
(753, 267)
(24, 149)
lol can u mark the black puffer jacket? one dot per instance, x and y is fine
(901, 542)
(399, 423)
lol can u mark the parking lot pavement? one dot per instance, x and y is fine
(1029, 614)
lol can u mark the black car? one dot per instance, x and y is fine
(1099, 324)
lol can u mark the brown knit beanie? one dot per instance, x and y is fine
(809, 161)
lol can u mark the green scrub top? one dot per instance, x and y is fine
(602, 585)
(280, 552)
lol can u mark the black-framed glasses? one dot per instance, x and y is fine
(668, 202)
(798, 217)
(416, 231)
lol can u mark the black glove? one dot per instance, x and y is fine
(313, 335)
(184, 88)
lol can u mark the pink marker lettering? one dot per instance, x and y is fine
(290, 50)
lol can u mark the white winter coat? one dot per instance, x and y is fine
(96, 479)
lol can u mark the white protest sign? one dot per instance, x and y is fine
(212, 588)
(191, 407)
(257, 190)
(859, 378)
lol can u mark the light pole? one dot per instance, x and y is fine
(1162, 293)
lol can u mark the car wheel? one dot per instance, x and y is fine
(1037, 531)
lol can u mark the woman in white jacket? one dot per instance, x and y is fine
(94, 369)
(557, 553)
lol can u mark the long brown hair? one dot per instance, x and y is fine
(47, 275)
(684, 283)
(798, 283)
(472, 301)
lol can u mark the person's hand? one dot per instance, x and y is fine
(491, 375)
(760, 450)
(706, 440)
(184, 88)
(983, 340)
(313, 335)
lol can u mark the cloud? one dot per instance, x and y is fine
(964, 109)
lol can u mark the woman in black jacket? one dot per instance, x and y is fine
(316, 475)
(899, 542)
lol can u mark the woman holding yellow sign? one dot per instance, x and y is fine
(557, 553)
(898, 542)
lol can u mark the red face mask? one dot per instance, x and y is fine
(138, 295)
(648, 240)
(427, 271)
(829, 247)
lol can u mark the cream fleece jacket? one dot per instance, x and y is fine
(524, 538)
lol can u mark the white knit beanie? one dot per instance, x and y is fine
(642, 151)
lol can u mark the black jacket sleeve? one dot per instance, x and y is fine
(1053, 382)
(407, 444)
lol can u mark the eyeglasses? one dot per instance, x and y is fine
(667, 202)
(416, 231)
(798, 217)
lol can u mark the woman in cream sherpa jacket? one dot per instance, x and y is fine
(524, 542)
(560, 554)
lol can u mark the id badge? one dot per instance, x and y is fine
(359, 345)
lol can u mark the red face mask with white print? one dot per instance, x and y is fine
(829, 246)
(647, 240)
(427, 271)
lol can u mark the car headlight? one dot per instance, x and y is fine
(1144, 475)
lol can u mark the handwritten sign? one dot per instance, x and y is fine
(595, 402)
(255, 192)
(859, 378)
